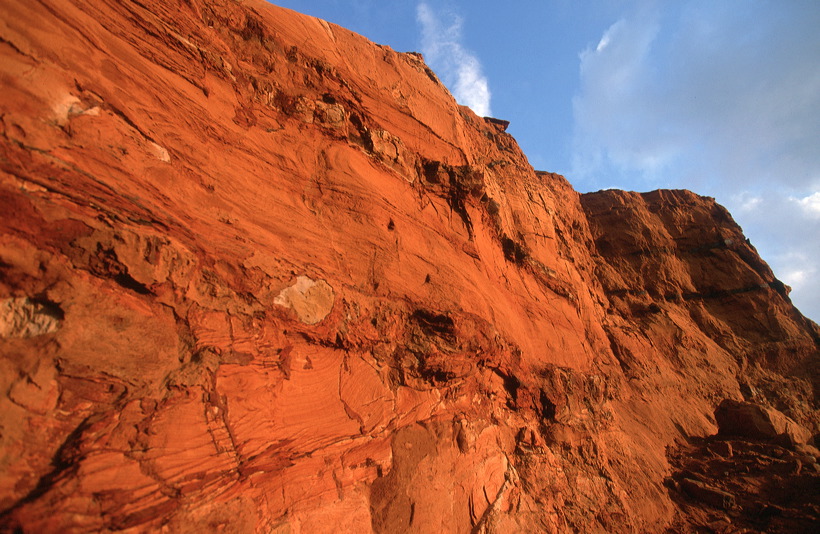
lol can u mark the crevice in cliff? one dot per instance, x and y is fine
(514, 252)
(481, 524)
(63, 462)
(219, 428)
(455, 184)
(434, 324)
(511, 384)
(618, 352)
(362, 135)
(105, 264)
(18, 50)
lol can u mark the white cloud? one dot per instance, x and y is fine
(603, 43)
(810, 204)
(701, 93)
(721, 99)
(795, 277)
(788, 239)
(459, 69)
(745, 202)
(797, 267)
(611, 101)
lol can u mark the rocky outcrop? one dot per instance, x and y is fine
(729, 483)
(260, 274)
(753, 421)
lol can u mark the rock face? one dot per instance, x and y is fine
(258, 274)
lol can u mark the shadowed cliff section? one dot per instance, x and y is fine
(260, 274)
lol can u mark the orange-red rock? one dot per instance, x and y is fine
(260, 274)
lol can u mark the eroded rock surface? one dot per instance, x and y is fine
(258, 274)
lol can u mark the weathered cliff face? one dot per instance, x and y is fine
(258, 274)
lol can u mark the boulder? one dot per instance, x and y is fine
(750, 420)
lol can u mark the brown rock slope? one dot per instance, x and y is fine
(258, 274)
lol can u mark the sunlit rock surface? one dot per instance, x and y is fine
(259, 274)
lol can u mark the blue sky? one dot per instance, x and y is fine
(721, 97)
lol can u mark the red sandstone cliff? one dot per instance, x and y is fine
(258, 274)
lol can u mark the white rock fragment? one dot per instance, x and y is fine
(22, 317)
(64, 108)
(160, 153)
(311, 300)
(70, 106)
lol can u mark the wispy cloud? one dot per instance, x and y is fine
(459, 69)
(810, 204)
(720, 100)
